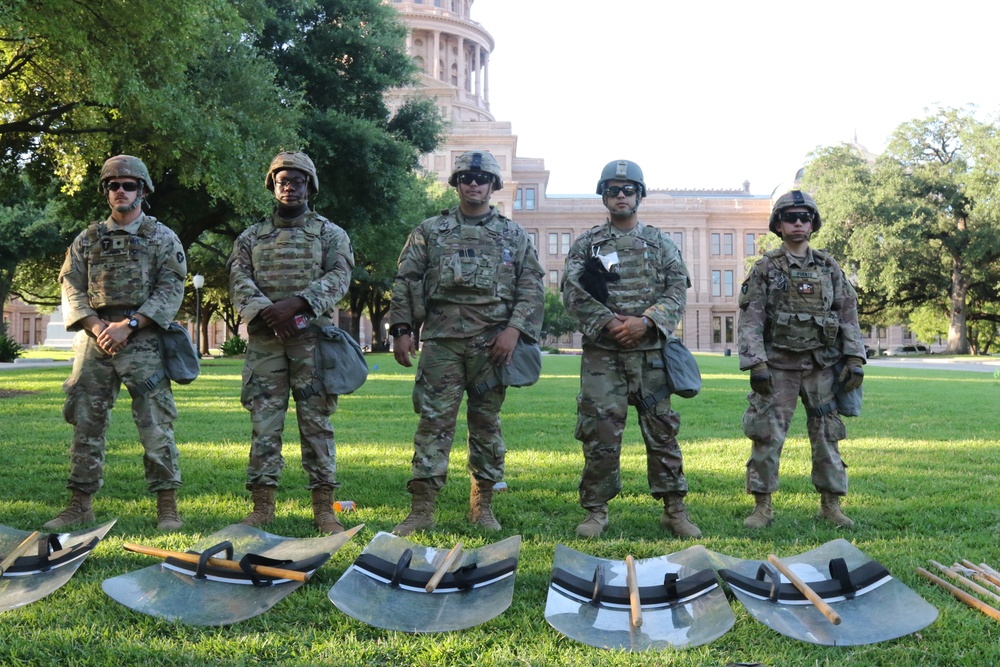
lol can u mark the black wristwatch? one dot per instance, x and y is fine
(398, 330)
(133, 323)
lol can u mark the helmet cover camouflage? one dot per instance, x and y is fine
(125, 166)
(292, 160)
(477, 161)
(788, 200)
(622, 170)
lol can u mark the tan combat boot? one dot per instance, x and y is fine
(675, 517)
(421, 516)
(263, 506)
(79, 510)
(595, 523)
(830, 510)
(166, 510)
(481, 504)
(762, 515)
(323, 514)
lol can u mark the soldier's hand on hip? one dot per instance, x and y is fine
(760, 379)
(852, 374)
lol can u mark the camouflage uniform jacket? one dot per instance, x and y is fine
(274, 259)
(798, 313)
(137, 267)
(654, 283)
(460, 279)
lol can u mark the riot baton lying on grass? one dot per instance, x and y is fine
(971, 585)
(442, 569)
(970, 600)
(17, 552)
(633, 591)
(263, 570)
(985, 572)
(804, 588)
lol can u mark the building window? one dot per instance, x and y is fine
(533, 236)
(716, 283)
(38, 331)
(517, 199)
(26, 331)
(717, 330)
(553, 243)
(554, 278)
(678, 240)
(716, 244)
(727, 244)
(750, 245)
(529, 199)
(565, 241)
(729, 329)
(727, 283)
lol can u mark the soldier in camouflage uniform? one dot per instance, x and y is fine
(798, 317)
(626, 284)
(472, 278)
(287, 273)
(122, 280)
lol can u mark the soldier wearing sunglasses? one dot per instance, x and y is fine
(626, 284)
(798, 318)
(469, 280)
(122, 279)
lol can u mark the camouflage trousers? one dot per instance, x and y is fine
(766, 424)
(273, 368)
(91, 391)
(610, 381)
(447, 368)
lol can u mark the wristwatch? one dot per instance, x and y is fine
(133, 323)
(398, 330)
(648, 322)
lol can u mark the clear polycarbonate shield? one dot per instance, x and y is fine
(46, 563)
(873, 606)
(174, 593)
(682, 603)
(386, 585)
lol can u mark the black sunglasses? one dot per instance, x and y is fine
(792, 216)
(627, 190)
(127, 186)
(479, 178)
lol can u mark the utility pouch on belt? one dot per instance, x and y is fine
(340, 363)
(524, 369)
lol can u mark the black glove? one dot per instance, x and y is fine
(595, 279)
(760, 379)
(852, 375)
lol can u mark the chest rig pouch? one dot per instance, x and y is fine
(287, 259)
(803, 319)
(120, 269)
(475, 264)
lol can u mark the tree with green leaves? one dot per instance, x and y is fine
(920, 227)
(556, 322)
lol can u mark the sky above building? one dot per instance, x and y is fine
(709, 94)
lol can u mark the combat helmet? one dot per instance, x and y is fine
(622, 170)
(125, 166)
(788, 200)
(292, 160)
(477, 161)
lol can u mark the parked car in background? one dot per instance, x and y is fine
(908, 350)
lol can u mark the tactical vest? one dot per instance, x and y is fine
(803, 318)
(287, 259)
(120, 267)
(471, 264)
(638, 265)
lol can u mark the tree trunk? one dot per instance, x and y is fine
(958, 327)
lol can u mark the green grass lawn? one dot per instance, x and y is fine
(924, 463)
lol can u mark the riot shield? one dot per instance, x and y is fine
(682, 603)
(387, 586)
(197, 595)
(873, 606)
(45, 565)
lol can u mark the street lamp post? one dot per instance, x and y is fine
(198, 281)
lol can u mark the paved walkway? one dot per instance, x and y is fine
(976, 364)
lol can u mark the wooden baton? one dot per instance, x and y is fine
(970, 600)
(633, 591)
(810, 594)
(17, 552)
(265, 570)
(449, 560)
